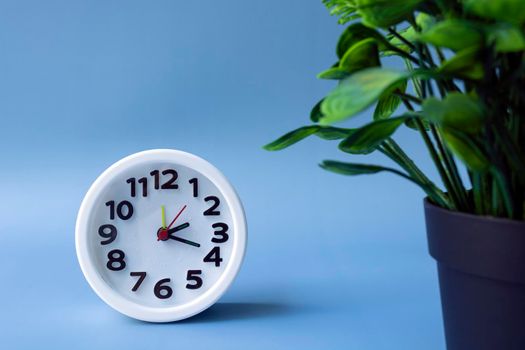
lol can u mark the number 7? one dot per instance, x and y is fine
(141, 276)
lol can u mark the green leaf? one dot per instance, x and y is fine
(459, 111)
(353, 169)
(385, 13)
(366, 139)
(512, 11)
(454, 34)
(345, 9)
(333, 133)
(291, 138)
(334, 73)
(465, 64)
(324, 132)
(357, 92)
(388, 102)
(466, 149)
(350, 168)
(353, 34)
(506, 37)
(363, 54)
(316, 113)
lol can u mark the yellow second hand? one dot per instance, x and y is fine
(163, 213)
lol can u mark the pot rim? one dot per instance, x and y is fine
(471, 216)
(483, 246)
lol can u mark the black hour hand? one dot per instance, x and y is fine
(178, 228)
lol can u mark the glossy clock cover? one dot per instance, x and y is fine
(165, 313)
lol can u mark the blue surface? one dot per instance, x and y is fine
(332, 262)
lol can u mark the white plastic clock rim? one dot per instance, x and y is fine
(171, 313)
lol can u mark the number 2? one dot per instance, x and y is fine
(211, 210)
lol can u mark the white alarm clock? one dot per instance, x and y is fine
(160, 235)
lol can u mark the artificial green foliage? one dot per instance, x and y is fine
(453, 34)
(512, 11)
(334, 73)
(466, 64)
(356, 32)
(465, 148)
(324, 132)
(368, 138)
(357, 92)
(361, 55)
(355, 169)
(506, 37)
(384, 13)
(316, 114)
(389, 101)
(463, 92)
(457, 111)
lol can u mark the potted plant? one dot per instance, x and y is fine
(463, 91)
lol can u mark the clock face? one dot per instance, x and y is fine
(160, 235)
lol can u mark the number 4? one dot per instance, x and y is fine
(214, 256)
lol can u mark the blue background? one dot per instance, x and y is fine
(333, 262)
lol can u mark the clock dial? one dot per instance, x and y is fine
(160, 235)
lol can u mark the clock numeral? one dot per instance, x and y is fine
(195, 183)
(221, 233)
(133, 185)
(170, 184)
(144, 182)
(111, 235)
(156, 179)
(163, 292)
(214, 256)
(141, 276)
(193, 275)
(211, 210)
(121, 213)
(116, 260)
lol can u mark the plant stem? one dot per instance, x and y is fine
(506, 196)
(438, 163)
(402, 52)
(401, 38)
(408, 164)
(512, 151)
(422, 181)
(408, 97)
(435, 157)
(476, 193)
(440, 157)
(415, 81)
(451, 170)
(440, 55)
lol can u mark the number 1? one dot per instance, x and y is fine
(195, 183)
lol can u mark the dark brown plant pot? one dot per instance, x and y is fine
(481, 267)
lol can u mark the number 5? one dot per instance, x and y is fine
(193, 276)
